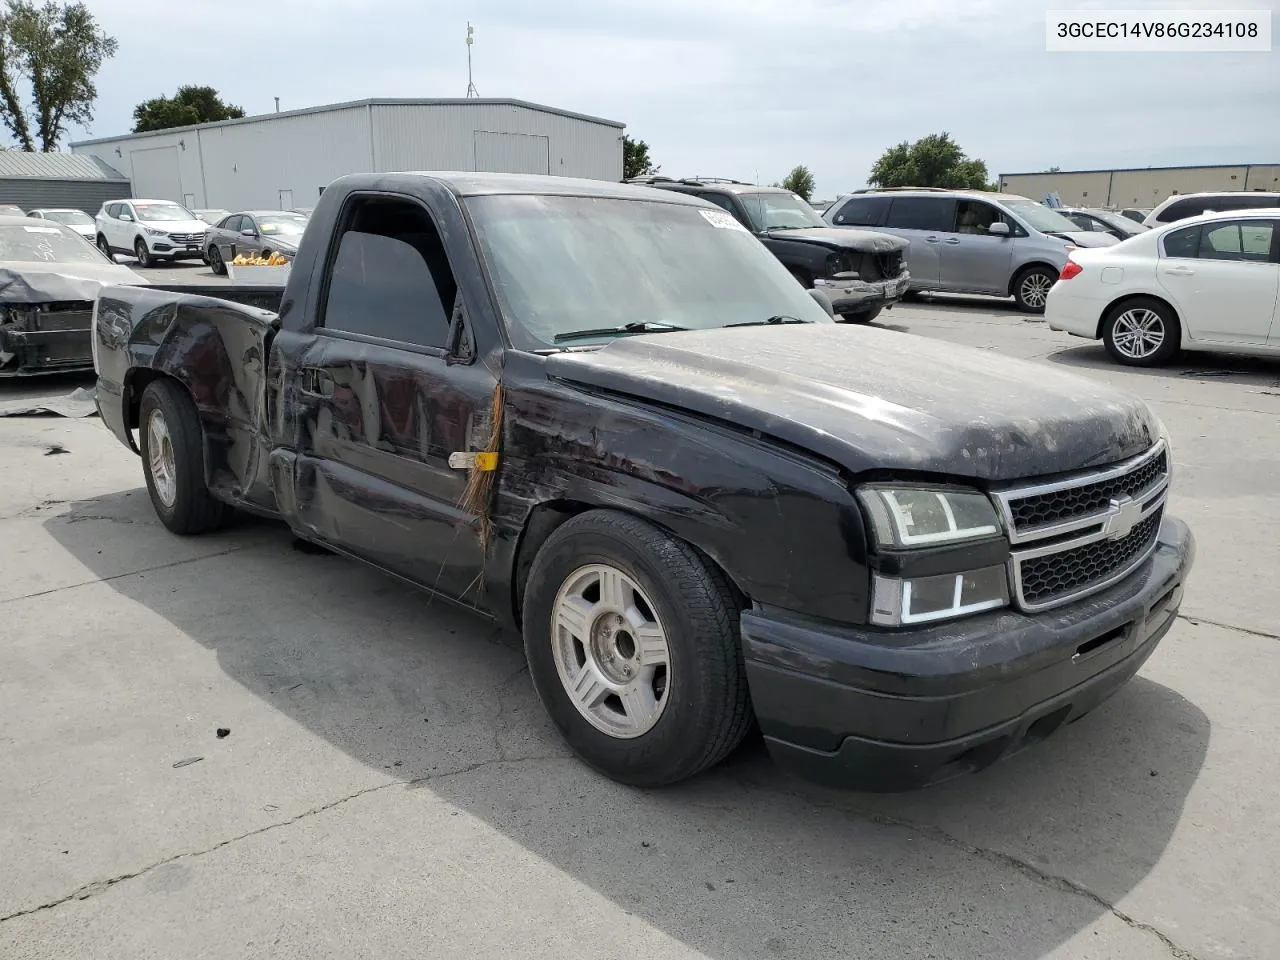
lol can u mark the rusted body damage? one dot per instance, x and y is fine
(745, 443)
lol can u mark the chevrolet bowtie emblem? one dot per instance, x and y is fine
(1122, 516)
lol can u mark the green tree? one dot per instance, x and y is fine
(799, 181)
(53, 52)
(190, 105)
(636, 161)
(932, 161)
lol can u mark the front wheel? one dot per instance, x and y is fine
(1031, 288)
(1142, 333)
(106, 248)
(142, 254)
(861, 316)
(632, 642)
(215, 262)
(173, 461)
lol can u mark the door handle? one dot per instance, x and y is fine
(952, 240)
(317, 382)
(931, 239)
(1179, 271)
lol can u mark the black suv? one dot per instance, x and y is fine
(859, 271)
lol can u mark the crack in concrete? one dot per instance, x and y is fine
(1196, 621)
(131, 573)
(100, 886)
(999, 858)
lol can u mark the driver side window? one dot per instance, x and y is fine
(975, 217)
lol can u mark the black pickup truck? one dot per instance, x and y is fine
(605, 416)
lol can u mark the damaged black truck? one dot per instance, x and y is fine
(607, 417)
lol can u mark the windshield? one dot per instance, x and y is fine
(46, 243)
(158, 212)
(212, 216)
(779, 211)
(561, 264)
(1041, 218)
(1123, 224)
(72, 218)
(286, 224)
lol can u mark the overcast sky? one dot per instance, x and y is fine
(736, 88)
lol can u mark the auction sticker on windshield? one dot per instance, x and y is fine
(718, 218)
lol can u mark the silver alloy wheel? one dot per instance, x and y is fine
(1138, 333)
(164, 468)
(610, 651)
(1035, 289)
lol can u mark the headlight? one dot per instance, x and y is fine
(153, 232)
(914, 518)
(905, 517)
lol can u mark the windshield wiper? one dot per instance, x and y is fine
(639, 326)
(769, 321)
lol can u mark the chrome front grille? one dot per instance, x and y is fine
(186, 237)
(1076, 536)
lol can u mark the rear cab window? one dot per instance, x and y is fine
(390, 277)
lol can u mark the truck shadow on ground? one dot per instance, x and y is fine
(1248, 371)
(738, 863)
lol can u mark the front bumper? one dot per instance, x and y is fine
(882, 711)
(174, 249)
(25, 352)
(857, 296)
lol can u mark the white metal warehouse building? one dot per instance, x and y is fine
(284, 160)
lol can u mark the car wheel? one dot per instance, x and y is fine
(105, 248)
(142, 254)
(1031, 288)
(1142, 332)
(633, 646)
(173, 461)
(861, 316)
(215, 262)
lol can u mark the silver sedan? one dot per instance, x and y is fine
(253, 233)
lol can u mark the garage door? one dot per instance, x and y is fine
(512, 152)
(155, 174)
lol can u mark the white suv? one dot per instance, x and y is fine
(150, 230)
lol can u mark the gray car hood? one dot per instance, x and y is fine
(869, 399)
(23, 282)
(866, 241)
(1088, 238)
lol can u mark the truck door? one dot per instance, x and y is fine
(375, 403)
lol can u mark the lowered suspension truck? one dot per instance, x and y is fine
(607, 417)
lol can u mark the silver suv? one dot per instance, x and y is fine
(970, 241)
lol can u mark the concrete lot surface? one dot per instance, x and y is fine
(389, 787)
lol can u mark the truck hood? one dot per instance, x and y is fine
(866, 241)
(25, 282)
(870, 399)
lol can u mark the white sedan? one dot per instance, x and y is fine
(1206, 283)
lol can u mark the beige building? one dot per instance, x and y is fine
(1139, 187)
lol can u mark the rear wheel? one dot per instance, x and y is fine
(142, 254)
(215, 261)
(173, 461)
(632, 641)
(1142, 333)
(1031, 288)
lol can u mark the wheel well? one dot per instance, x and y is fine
(546, 517)
(1017, 274)
(1128, 298)
(135, 382)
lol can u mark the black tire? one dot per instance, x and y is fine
(707, 708)
(862, 316)
(1031, 287)
(142, 254)
(1130, 313)
(216, 263)
(105, 248)
(194, 509)
(804, 278)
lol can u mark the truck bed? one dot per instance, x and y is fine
(262, 296)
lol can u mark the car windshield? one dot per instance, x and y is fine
(72, 218)
(565, 264)
(46, 243)
(159, 212)
(779, 211)
(1123, 224)
(286, 224)
(213, 216)
(1041, 218)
